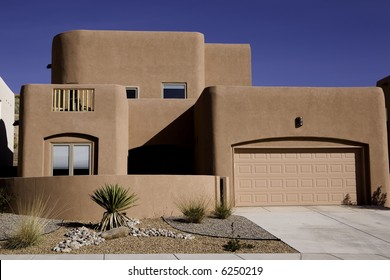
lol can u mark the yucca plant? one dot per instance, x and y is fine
(114, 199)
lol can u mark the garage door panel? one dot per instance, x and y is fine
(292, 198)
(292, 183)
(261, 184)
(294, 178)
(259, 199)
(322, 197)
(322, 183)
(291, 169)
(260, 169)
(244, 185)
(307, 183)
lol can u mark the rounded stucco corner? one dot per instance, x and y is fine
(65, 61)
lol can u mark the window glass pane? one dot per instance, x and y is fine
(81, 159)
(60, 160)
(175, 91)
(132, 93)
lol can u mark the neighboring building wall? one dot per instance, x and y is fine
(7, 118)
(105, 127)
(231, 117)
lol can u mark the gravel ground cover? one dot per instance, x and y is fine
(142, 245)
(234, 226)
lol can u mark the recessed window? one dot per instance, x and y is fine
(174, 91)
(71, 159)
(132, 92)
(73, 100)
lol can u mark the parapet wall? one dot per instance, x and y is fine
(158, 195)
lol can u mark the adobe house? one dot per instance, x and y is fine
(171, 115)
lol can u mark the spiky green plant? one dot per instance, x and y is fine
(114, 199)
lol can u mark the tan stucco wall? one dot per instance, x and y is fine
(148, 59)
(143, 59)
(385, 85)
(162, 122)
(158, 195)
(228, 64)
(238, 115)
(107, 123)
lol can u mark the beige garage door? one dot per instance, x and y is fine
(295, 177)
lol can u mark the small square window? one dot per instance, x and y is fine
(132, 93)
(174, 90)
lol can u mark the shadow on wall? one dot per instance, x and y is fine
(180, 132)
(170, 151)
(160, 159)
(6, 155)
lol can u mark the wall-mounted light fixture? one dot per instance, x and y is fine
(298, 122)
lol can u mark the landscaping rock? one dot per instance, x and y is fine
(77, 238)
(115, 233)
(142, 232)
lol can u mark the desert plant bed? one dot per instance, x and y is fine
(140, 245)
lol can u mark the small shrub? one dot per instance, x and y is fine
(5, 200)
(347, 200)
(37, 211)
(114, 199)
(223, 210)
(194, 210)
(234, 244)
(378, 198)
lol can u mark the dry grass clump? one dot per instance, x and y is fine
(36, 212)
(194, 209)
(223, 210)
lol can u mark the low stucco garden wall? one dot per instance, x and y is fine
(157, 195)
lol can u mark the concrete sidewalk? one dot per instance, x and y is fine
(297, 256)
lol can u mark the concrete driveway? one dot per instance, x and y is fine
(327, 232)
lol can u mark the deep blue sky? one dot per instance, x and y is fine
(294, 42)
